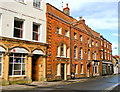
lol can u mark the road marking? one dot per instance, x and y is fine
(110, 88)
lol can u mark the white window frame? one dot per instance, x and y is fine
(76, 68)
(88, 40)
(92, 42)
(81, 38)
(59, 30)
(96, 44)
(95, 55)
(101, 43)
(67, 33)
(20, 29)
(38, 3)
(75, 52)
(102, 55)
(81, 69)
(105, 54)
(75, 35)
(104, 43)
(33, 31)
(17, 63)
(96, 68)
(81, 53)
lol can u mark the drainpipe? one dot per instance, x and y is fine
(70, 51)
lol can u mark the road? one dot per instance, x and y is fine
(97, 85)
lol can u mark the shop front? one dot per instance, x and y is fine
(20, 59)
(96, 67)
(107, 68)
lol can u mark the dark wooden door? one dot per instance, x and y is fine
(62, 71)
(35, 68)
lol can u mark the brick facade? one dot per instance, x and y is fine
(86, 64)
(106, 56)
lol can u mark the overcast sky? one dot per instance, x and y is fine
(100, 15)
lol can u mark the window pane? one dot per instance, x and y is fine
(17, 24)
(17, 73)
(23, 72)
(23, 67)
(16, 33)
(17, 66)
(18, 28)
(17, 60)
(10, 69)
(23, 60)
(17, 55)
(35, 32)
(36, 3)
(11, 59)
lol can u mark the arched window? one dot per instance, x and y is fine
(88, 54)
(63, 50)
(68, 52)
(105, 54)
(108, 56)
(95, 55)
(81, 53)
(75, 52)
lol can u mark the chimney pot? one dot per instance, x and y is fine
(66, 10)
(80, 17)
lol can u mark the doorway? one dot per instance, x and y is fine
(35, 67)
(62, 71)
(88, 70)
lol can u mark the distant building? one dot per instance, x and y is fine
(106, 56)
(22, 41)
(116, 63)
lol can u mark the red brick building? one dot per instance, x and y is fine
(74, 48)
(106, 56)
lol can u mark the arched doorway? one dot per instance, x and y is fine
(88, 69)
(37, 65)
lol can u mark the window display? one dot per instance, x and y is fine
(17, 64)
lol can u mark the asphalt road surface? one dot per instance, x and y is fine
(96, 85)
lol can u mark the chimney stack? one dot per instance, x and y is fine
(66, 10)
(82, 20)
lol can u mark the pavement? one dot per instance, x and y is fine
(40, 84)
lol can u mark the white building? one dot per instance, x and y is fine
(27, 14)
(22, 40)
(115, 62)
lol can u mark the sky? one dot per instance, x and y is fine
(100, 15)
